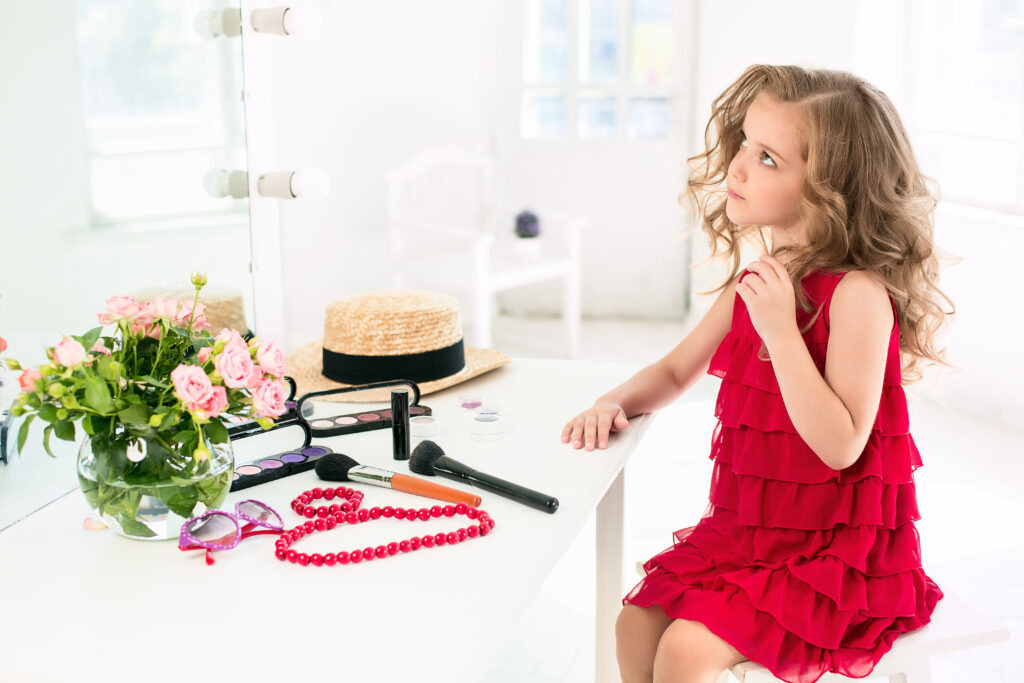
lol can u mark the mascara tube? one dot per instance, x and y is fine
(400, 424)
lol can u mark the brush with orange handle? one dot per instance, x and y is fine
(340, 467)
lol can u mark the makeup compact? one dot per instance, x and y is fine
(272, 467)
(424, 426)
(487, 424)
(362, 421)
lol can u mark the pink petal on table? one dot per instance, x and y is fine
(91, 524)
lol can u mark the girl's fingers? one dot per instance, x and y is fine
(589, 431)
(604, 424)
(776, 267)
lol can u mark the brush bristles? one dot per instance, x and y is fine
(423, 456)
(334, 467)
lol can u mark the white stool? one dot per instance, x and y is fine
(955, 625)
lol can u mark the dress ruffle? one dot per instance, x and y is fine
(802, 568)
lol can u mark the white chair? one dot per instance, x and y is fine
(448, 233)
(955, 625)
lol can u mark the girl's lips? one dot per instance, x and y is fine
(734, 195)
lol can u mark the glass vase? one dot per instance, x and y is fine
(145, 488)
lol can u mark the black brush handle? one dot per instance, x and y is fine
(453, 469)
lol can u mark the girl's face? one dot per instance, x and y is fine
(765, 175)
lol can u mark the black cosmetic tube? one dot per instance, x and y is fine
(400, 424)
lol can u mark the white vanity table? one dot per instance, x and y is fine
(92, 606)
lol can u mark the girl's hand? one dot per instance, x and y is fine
(768, 295)
(593, 425)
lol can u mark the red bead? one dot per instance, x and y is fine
(281, 554)
(452, 538)
(490, 523)
(330, 558)
(435, 511)
(367, 553)
(387, 511)
(340, 518)
(320, 524)
(331, 522)
(309, 512)
(399, 513)
(472, 531)
(302, 559)
(305, 498)
(322, 512)
(472, 513)
(461, 533)
(440, 539)
(355, 557)
(484, 529)
(404, 546)
(352, 518)
(309, 526)
(333, 508)
(428, 541)
(380, 551)
(341, 492)
(343, 557)
(316, 559)
(346, 506)
(460, 508)
(363, 515)
(448, 510)
(374, 513)
(317, 492)
(328, 494)
(415, 543)
(392, 548)
(292, 555)
(423, 514)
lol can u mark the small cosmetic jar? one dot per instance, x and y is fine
(423, 426)
(470, 401)
(487, 424)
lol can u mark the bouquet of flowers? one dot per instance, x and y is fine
(153, 396)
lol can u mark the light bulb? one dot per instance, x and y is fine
(311, 184)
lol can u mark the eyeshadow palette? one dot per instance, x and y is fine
(277, 466)
(359, 422)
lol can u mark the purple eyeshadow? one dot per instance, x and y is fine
(345, 420)
(313, 452)
(417, 410)
(369, 417)
(269, 464)
(292, 457)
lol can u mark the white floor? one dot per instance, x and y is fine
(968, 492)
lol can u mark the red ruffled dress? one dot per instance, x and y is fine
(802, 568)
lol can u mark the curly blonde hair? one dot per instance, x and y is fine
(865, 201)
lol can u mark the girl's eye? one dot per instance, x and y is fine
(765, 158)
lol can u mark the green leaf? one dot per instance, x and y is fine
(216, 432)
(149, 379)
(48, 412)
(135, 415)
(97, 395)
(90, 337)
(133, 526)
(183, 501)
(23, 432)
(46, 440)
(65, 430)
(104, 368)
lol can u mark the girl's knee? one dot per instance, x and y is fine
(690, 646)
(637, 632)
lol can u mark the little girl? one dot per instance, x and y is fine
(806, 560)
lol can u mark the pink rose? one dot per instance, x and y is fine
(213, 406)
(268, 399)
(27, 379)
(191, 385)
(231, 338)
(270, 358)
(98, 347)
(162, 308)
(143, 321)
(204, 354)
(234, 365)
(68, 353)
(256, 378)
(120, 308)
(3, 344)
(186, 312)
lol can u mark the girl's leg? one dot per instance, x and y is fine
(637, 632)
(690, 653)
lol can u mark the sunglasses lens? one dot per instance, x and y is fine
(216, 528)
(261, 513)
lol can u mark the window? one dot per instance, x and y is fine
(597, 69)
(966, 62)
(162, 106)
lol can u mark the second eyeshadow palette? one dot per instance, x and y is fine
(277, 466)
(359, 422)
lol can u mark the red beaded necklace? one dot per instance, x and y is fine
(329, 516)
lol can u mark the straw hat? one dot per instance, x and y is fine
(390, 334)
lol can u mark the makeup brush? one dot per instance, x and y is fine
(428, 459)
(340, 467)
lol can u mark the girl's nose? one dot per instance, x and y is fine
(736, 169)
